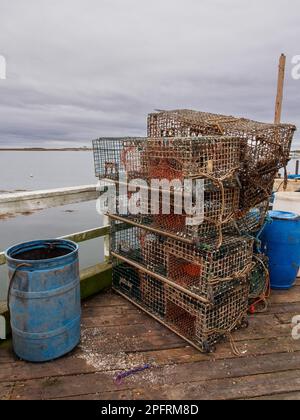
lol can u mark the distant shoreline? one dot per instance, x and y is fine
(44, 149)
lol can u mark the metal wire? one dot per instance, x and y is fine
(200, 323)
(207, 273)
(267, 146)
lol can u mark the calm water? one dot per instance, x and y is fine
(46, 170)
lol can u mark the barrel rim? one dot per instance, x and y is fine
(284, 215)
(19, 246)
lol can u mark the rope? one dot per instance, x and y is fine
(263, 298)
(228, 333)
(236, 276)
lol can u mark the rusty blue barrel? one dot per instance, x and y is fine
(44, 299)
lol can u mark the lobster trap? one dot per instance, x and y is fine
(181, 214)
(201, 324)
(117, 158)
(252, 222)
(256, 188)
(205, 273)
(268, 145)
(186, 157)
(210, 273)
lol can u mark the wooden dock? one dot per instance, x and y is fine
(116, 337)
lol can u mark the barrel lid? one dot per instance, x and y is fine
(283, 215)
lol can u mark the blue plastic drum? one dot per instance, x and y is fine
(281, 243)
(44, 299)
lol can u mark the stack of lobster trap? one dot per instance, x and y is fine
(191, 273)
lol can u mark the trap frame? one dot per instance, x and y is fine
(116, 157)
(219, 207)
(267, 146)
(206, 273)
(215, 158)
(201, 324)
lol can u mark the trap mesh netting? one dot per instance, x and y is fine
(200, 323)
(117, 157)
(219, 215)
(259, 277)
(267, 145)
(206, 273)
(177, 158)
(184, 157)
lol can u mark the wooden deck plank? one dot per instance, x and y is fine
(251, 374)
(70, 365)
(225, 389)
(117, 336)
(291, 396)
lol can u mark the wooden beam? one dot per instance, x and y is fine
(88, 234)
(37, 200)
(280, 87)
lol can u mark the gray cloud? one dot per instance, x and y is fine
(79, 69)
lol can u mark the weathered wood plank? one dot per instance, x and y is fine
(105, 396)
(286, 296)
(38, 200)
(232, 379)
(291, 396)
(225, 389)
(88, 234)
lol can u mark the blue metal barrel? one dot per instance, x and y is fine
(281, 242)
(44, 299)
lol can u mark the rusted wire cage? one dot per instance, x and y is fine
(203, 325)
(267, 145)
(209, 273)
(203, 272)
(168, 159)
(186, 157)
(211, 212)
(252, 222)
(256, 188)
(118, 157)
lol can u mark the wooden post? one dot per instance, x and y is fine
(297, 167)
(280, 86)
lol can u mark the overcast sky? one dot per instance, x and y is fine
(80, 69)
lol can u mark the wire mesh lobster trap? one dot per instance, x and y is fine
(256, 188)
(212, 272)
(268, 145)
(205, 273)
(251, 223)
(188, 217)
(201, 324)
(115, 158)
(186, 157)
